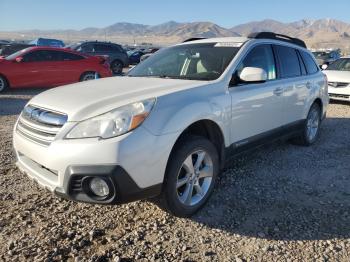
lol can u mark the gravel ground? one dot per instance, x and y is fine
(280, 203)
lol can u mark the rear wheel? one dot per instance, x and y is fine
(88, 76)
(3, 84)
(311, 127)
(190, 176)
(117, 67)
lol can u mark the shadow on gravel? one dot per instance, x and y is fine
(11, 106)
(13, 101)
(287, 192)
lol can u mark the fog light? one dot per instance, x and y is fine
(99, 187)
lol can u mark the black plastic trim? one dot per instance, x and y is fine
(123, 188)
(280, 133)
(280, 37)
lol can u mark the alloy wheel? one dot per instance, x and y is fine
(194, 178)
(313, 124)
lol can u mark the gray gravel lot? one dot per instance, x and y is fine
(279, 203)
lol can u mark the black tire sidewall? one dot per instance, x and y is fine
(121, 63)
(187, 146)
(306, 138)
(6, 84)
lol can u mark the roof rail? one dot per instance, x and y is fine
(280, 37)
(193, 39)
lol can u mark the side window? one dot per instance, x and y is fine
(288, 61)
(310, 64)
(70, 57)
(41, 56)
(101, 48)
(86, 48)
(302, 64)
(261, 57)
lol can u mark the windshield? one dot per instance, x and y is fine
(342, 64)
(190, 61)
(18, 53)
(321, 54)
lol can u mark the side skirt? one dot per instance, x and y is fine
(281, 133)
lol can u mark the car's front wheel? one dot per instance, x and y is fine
(3, 84)
(190, 176)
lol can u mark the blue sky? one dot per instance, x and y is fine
(78, 14)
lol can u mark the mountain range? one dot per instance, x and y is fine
(322, 33)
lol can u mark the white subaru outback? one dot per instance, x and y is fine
(167, 128)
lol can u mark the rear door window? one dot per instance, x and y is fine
(288, 61)
(65, 56)
(102, 48)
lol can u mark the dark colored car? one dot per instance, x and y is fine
(49, 67)
(116, 55)
(9, 49)
(326, 57)
(135, 56)
(47, 42)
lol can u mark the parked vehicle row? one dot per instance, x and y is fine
(115, 54)
(49, 67)
(167, 129)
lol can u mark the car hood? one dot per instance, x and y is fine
(83, 100)
(337, 76)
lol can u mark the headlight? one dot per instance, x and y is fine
(114, 123)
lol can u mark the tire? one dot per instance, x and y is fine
(185, 192)
(117, 67)
(3, 84)
(88, 76)
(311, 128)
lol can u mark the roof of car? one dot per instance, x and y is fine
(54, 49)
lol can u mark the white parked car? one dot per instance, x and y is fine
(338, 74)
(167, 128)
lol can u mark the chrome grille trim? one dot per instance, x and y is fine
(338, 84)
(40, 125)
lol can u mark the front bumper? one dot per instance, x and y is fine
(342, 94)
(134, 163)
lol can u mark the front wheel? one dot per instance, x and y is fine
(3, 84)
(190, 176)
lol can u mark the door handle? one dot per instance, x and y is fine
(308, 85)
(278, 91)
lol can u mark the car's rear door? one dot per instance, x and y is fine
(296, 83)
(67, 67)
(256, 107)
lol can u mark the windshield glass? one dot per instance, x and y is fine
(320, 54)
(18, 53)
(191, 61)
(342, 64)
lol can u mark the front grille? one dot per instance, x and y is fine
(338, 84)
(339, 96)
(40, 125)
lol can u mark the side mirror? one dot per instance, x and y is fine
(19, 59)
(253, 75)
(324, 66)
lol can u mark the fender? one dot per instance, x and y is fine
(174, 113)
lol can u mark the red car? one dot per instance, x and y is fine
(49, 67)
